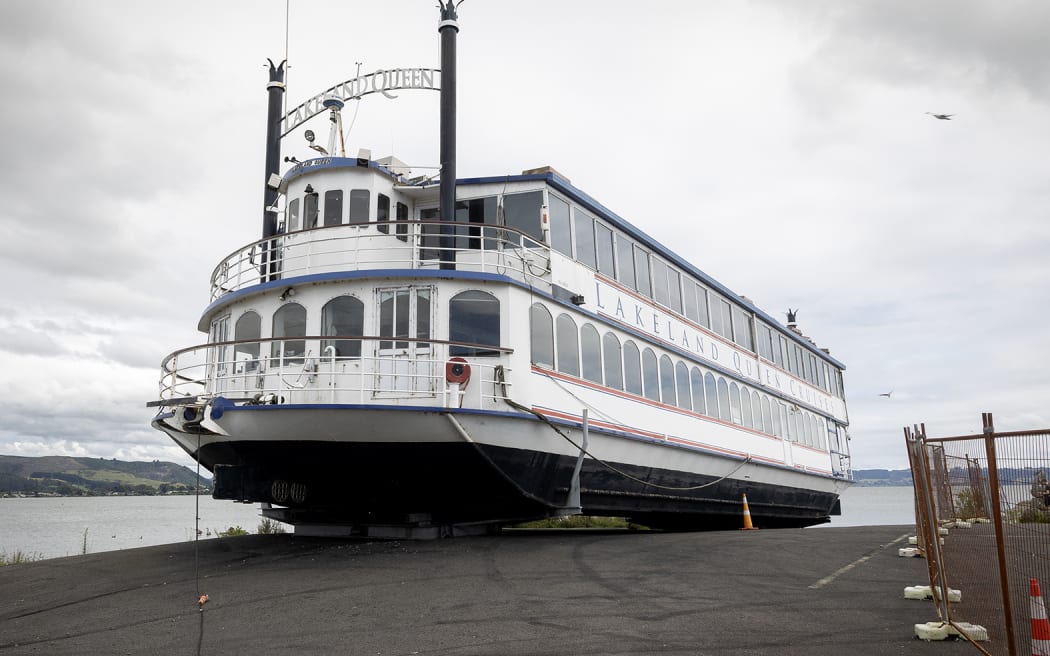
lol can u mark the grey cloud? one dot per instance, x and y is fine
(940, 45)
(27, 341)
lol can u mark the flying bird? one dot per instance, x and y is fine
(943, 117)
(887, 394)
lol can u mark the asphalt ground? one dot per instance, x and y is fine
(792, 591)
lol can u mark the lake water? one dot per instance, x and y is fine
(51, 527)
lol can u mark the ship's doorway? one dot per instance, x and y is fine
(218, 355)
(404, 356)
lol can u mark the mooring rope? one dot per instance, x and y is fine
(514, 404)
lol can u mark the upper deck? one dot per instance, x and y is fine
(351, 218)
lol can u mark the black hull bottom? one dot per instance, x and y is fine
(452, 483)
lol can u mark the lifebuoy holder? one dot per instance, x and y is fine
(457, 371)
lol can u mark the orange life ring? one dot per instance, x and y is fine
(457, 370)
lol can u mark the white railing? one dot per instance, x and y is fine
(309, 370)
(383, 245)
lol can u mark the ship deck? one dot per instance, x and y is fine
(522, 592)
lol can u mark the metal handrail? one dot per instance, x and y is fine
(213, 370)
(349, 247)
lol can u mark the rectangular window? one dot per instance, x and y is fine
(727, 318)
(780, 349)
(429, 235)
(359, 201)
(660, 294)
(765, 348)
(742, 328)
(522, 212)
(383, 213)
(561, 230)
(796, 360)
(404, 313)
(716, 314)
(641, 272)
(674, 289)
(701, 306)
(402, 228)
(422, 317)
(310, 211)
(624, 261)
(585, 240)
(689, 304)
(470, 215)
(604, 239)
(293, 215)
(333, 207)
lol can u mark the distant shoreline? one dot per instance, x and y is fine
(53, 495)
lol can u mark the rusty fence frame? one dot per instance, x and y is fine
(936, 509)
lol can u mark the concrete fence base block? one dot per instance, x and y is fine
(959, 523)
(943, 631)
(926, 592)
(909, 552)
(942, 531)
(915, 540)
(980, 520)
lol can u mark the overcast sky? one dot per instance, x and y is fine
(783, 147)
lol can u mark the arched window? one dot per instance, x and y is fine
(343, 315)
(711, 390)
(591, 353)
(774, 409)
(745, 408)
(289, 321)
(650, 375)
(724, 410)
(632, 368)
(473, 317)
(667, 392)
(767, 418)
(681, 376)
(568, 345)
(613, 361)
(248, 327)
(696, 380)
(541, 328)
(756, 409)
(734, 403)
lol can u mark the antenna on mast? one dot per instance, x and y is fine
(335, 105)
(357, 106)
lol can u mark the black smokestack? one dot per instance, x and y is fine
(448, 28)
(275, 89)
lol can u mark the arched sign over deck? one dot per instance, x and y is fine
(378, 82)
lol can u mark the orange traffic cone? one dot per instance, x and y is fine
(1040, 626)
(747, 517)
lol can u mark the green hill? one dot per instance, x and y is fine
(68, 476)
(881, 477)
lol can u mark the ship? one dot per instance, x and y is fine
(412, 355)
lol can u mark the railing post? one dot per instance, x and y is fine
(997, 521)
